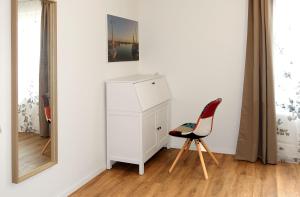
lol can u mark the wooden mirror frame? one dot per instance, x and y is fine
(14, 105)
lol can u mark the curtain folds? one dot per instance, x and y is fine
(47, 40)
(257, 135)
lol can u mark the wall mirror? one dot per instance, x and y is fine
(34, 118)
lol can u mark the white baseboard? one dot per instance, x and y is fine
(81, 182)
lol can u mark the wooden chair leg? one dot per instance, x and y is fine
(187, 148)
(201, 159)
(45, 147)
(179, 155)
(209, 152)
(188, 145)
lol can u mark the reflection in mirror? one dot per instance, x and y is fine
(34, 125)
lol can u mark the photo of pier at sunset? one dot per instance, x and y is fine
(123, 44)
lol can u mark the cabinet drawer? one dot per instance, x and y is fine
(152, 92)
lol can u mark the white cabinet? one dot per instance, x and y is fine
(138, 116)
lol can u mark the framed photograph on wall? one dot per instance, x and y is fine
(123, 42)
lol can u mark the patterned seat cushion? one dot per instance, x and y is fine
(185, 131)
(186, 128)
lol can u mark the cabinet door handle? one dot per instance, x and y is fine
(153, 83)
(158, 128)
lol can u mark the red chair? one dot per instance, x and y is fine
(47, 112)
(197, 131)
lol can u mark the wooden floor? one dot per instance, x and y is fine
(30, 149)
(232, 178)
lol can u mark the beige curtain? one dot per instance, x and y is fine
(257, 137)
(46, 59)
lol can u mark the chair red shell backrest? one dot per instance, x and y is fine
(210, 108)
(47, 109)
(205, 121)
(47, 114)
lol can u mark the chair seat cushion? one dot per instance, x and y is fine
(185, 131)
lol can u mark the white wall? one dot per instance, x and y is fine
(82, 69)
(200, 46)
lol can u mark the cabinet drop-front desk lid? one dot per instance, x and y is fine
(137, 92)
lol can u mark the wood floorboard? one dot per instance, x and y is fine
(30, 152)
(233, 178)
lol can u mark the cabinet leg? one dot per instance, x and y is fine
(108, 164)
(141, 168)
